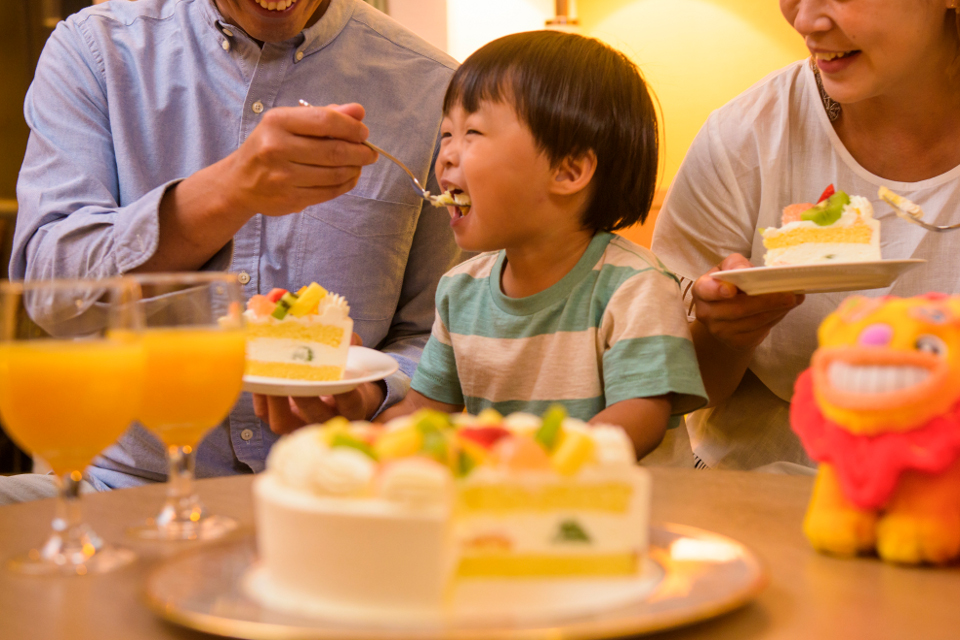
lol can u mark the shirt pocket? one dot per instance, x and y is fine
(358, 248)
(366, 217)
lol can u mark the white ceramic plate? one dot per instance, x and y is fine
(691, 575)
(363, 365)
(818, 278)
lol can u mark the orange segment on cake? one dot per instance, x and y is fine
(839, 228)
(303, 335)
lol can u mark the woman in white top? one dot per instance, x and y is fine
(884, 111)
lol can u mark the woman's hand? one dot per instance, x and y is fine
(729, 326)
(737, 320)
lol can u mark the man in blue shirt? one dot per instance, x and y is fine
(165, 135)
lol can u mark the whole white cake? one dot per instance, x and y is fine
(355, 520)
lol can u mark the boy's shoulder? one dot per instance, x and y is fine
(624, 259)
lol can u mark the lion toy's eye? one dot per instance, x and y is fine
(932, 344)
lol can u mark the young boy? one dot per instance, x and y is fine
(552, 140)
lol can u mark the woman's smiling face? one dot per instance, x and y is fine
(271, 20)
(874, 48)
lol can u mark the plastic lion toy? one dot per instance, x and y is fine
(879, 408)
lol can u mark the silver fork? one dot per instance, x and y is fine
(910, 211)
(416, 183)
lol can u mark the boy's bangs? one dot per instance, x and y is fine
(485, 81)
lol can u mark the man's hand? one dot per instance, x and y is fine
(737, 320)
(285, 415)
(297, 157)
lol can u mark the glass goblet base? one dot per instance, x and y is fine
(83, 555)
(205, 528)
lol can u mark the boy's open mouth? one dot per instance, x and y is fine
(455, 198)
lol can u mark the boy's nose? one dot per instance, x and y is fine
(448, 157)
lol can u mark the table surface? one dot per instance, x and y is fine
(809, 595)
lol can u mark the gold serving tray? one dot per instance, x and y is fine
(694, 575)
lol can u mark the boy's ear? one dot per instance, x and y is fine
(574, 173)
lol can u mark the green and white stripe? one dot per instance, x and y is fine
(611, 330)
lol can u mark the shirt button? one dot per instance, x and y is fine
(257, 107)
(226, 45)
(299, 56)
(246, 434)
(228, 33)
(243, 277)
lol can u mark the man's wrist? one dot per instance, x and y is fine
(375, 393)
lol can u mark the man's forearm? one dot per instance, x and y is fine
(196, 221)
(721, 367)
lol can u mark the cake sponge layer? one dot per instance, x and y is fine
(857, 233)
(614, 497)
(323, 333)
(293, 371)
(547, 565)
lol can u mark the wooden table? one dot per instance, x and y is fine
(809, 595)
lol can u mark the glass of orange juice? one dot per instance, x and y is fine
(71, 378)
(194, 345)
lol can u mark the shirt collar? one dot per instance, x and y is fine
(311, 39)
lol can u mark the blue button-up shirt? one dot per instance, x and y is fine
(130, 97)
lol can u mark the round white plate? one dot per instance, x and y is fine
(363, 365)
(818, 278)
(691, 575)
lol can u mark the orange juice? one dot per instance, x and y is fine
(68, 400)
(194, 376)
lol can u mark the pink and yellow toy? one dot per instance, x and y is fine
(879, 408)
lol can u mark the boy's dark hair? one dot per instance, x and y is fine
(576, 94)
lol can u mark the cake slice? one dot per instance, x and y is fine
(303, 336)
(839, 228)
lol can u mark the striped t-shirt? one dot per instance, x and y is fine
(612, 329)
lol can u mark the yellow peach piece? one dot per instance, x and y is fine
(520, 453)
(398, 443)
(572, 452)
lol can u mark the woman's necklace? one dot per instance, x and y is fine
(831, 106)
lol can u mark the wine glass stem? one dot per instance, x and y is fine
(71, 538)
(182, 502)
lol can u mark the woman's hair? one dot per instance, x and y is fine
(575, 94)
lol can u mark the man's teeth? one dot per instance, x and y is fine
(826, 57)
(874, 379)
(276, 6)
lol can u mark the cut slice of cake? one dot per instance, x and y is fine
(303, 336)
(839, 228)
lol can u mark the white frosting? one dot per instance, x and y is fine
(343, 471)
(858, 207)
(304, 462)
(613, 446)
(315, 354)
(416, 483)
(332, 309)
(525, 423)
(294, 457)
